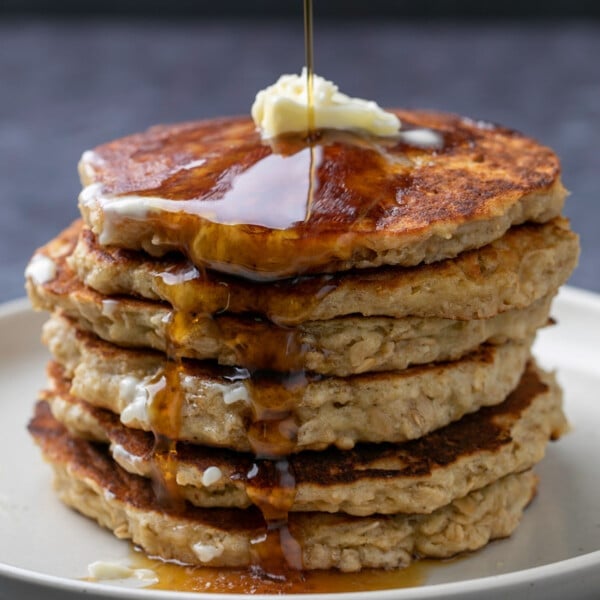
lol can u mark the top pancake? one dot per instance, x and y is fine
(238, 204)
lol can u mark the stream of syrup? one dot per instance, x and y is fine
(164, 412)
(310, 102)
(310, 66)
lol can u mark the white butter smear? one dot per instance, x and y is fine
(283, 108)
(422, 138)
(120, 574)
(232, 393)
(41, 269)
(130, 462)
(136, 397)
(211, 476)
(206, 552)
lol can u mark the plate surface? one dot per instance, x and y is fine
(45, 548)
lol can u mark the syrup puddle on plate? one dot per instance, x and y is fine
(181, 578)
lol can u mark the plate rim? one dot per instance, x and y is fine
(582, 564)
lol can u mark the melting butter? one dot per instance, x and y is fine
(135, 395)
(119, 573)
(232, 393)
(283, 108)
(130, 462)
(41, 269)
(211, 476)
(206, 552)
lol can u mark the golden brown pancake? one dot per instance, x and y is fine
(418, 476)
(233, 202)
(218, 405)
(87, 479)
(512, 272)
(342, 346)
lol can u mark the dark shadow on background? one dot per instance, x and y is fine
(348, 9)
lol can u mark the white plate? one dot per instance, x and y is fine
(45, 548)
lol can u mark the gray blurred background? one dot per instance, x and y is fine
(75, 74)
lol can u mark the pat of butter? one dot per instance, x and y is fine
(283, 108)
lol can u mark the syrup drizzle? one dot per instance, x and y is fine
(310, 66)
(273, 432)
(310, 103)
(284, 207)
(164, 412)
(271, 482)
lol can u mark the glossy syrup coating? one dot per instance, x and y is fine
(268, 209)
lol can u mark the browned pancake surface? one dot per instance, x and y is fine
(483, 432)
(93, 461)
(89, 481)
(523, 265)
(342, 346)
(251, 207)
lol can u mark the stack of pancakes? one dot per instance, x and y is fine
(309, 352)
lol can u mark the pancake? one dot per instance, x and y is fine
(87, 479)
(525, 264)
(343, 346)
(241, 205)
(419, 476)
(217, 404)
